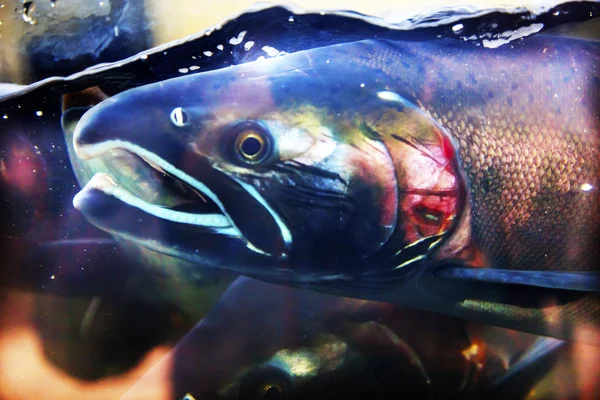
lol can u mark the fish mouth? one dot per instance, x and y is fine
(190, 207)
(178, 226)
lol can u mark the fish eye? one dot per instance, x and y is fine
(271, 391)
(266, 383)
(252, 144)
(179, 117)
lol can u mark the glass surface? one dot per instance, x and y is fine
(320, 200)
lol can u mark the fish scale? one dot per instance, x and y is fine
(528, 145)
(525, 164)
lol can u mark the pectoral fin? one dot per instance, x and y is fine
(514, 287)
(570, 281)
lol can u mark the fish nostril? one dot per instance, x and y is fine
(179, 117)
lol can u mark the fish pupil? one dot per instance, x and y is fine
(251, 146)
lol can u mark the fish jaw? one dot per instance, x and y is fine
(162, 209)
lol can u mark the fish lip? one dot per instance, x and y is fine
(104, 183)
(107, 185)
(86, 149)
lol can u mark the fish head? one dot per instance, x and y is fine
(295, 166)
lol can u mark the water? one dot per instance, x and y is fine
(76, 303)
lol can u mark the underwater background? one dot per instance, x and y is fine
(109, 332)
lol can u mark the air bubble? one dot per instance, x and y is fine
(28, 10)
(271, 51)
(457, 27)
(237, 40)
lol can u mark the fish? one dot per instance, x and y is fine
(429, 174)
(289, 343)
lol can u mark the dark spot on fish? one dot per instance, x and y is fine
(365, 58)
(371, 133)
(399, 107)
(421, 69)
(566, 79)
(389, 63)
(509, 101)
(485, 184)
(216, 86)
(310, 169)
(490, 95)
(406, 64)
(596, 82)
(459, 85)
(514, 86)
(472, 79)
(474, 120)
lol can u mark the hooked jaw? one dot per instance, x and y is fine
(192, 227)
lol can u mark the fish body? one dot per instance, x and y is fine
(301, 344)
(433, 174)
